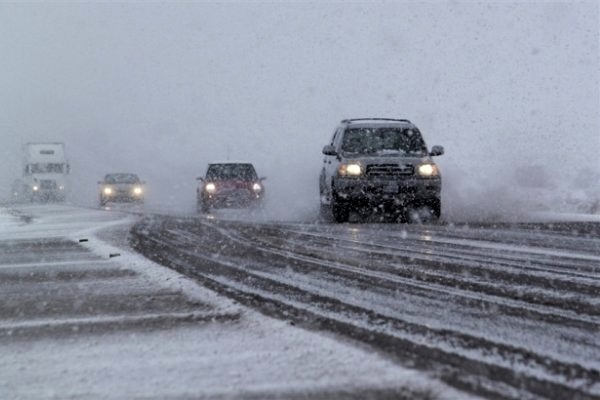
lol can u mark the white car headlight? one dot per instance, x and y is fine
(210, 188)
(107, 190)
(35, 188)
(352, 169)
(428, 170)
(137, 190)
(256, 187)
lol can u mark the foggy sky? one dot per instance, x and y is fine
(163, 89)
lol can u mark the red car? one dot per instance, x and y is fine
(230, 185)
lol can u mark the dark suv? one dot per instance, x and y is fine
(230, 184)
(379, 164)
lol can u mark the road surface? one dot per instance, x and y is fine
(500, 311)
(84, 317)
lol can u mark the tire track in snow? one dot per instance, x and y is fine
(198, 250)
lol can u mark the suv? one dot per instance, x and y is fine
(230, 184)
(379, 164)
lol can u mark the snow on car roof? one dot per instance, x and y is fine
(120, 173)
(229, 162)
(378, 123)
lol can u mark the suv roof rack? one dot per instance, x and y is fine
(345, 121)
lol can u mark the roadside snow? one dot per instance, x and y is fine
(546, 216)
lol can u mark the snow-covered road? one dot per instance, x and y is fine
(82, 316)
(503, 310)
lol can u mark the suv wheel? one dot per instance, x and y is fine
(340, 211)
(325, 213)
(436, 208)
(425, 212)
(203, 208)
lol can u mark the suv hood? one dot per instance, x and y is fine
(400, 160)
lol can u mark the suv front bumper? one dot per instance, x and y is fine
(363, 191)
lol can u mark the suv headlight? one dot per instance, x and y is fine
(256, 187)
(108, 190)
(352, 169)
(428, 170)
(210, 188)
(137, 190)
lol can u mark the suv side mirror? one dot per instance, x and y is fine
(100, 182)
(437, 151)
(264, 178)
(329, 150)
(200, 179)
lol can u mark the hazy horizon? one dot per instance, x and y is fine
(162, 89)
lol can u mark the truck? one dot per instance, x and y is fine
(45, 172)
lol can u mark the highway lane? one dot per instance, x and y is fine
(509, 311)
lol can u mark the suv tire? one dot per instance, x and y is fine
(325, 214)
(340, 211)
(436, 208)
(203, 208)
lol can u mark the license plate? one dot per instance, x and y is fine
(390, 188)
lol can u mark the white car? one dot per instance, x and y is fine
(121, 187)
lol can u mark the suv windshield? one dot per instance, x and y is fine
(121, 178)
(244, 172)
(384, 141)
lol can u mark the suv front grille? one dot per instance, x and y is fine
(389, 170)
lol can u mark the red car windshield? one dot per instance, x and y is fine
(226, 172)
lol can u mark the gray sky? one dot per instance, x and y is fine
(162, 89)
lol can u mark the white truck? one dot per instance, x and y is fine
(45, 171)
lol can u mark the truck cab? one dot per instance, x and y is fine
(45, 171)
